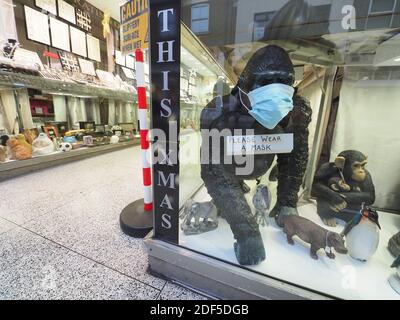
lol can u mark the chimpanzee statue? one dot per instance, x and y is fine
(264, 101)
(341, 187)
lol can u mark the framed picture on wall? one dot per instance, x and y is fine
(37, 26)
(51, 131)
(119, 58)
(66, 11)
(93, 46)
(47, 5)
(59, 35)
(78, 42)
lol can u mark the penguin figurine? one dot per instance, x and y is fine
(394, 280)
(362, 234)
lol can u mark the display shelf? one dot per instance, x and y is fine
(344, 277)
(11, 169)
(20, 80)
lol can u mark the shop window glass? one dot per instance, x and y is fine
(378, 6)
(320, 156)
(200, 18)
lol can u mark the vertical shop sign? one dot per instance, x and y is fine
(135, 25)
(165, 78)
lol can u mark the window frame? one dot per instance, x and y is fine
(372, 14)
(199, 5)
(254, 21)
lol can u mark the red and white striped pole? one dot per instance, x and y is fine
(144, 130)
(136, 219)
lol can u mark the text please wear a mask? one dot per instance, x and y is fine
(270, 103)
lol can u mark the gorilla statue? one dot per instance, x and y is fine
(268, 70)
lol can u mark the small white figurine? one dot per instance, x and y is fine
(42, 145)
(362, 234)
(88, 140)
(114, 139)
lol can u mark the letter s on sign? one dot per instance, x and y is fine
(166, 221)
(166, 106)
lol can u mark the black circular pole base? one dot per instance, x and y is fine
(136, 222)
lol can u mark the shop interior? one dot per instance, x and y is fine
(350, 80)
(64, 82)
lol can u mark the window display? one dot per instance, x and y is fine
(283, 163)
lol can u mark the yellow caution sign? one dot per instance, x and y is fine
(135, 26)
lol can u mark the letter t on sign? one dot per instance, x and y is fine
(164, 14)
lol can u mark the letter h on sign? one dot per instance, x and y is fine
(165, 76)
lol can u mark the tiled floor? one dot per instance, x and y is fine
(60, 236)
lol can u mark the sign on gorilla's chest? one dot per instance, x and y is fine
(259, 144)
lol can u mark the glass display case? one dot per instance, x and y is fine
(289, 142)
(64, 94)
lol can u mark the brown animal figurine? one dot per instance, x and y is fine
(30, 135)
(20, 149)
(3, 153)
(310, 232)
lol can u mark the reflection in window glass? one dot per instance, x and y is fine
(200, 18)
(260, 22)
(382, 6)
(341, 112)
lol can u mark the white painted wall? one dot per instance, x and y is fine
(60, 108)
(367, 120)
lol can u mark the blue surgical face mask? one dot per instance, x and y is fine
(270, 104)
